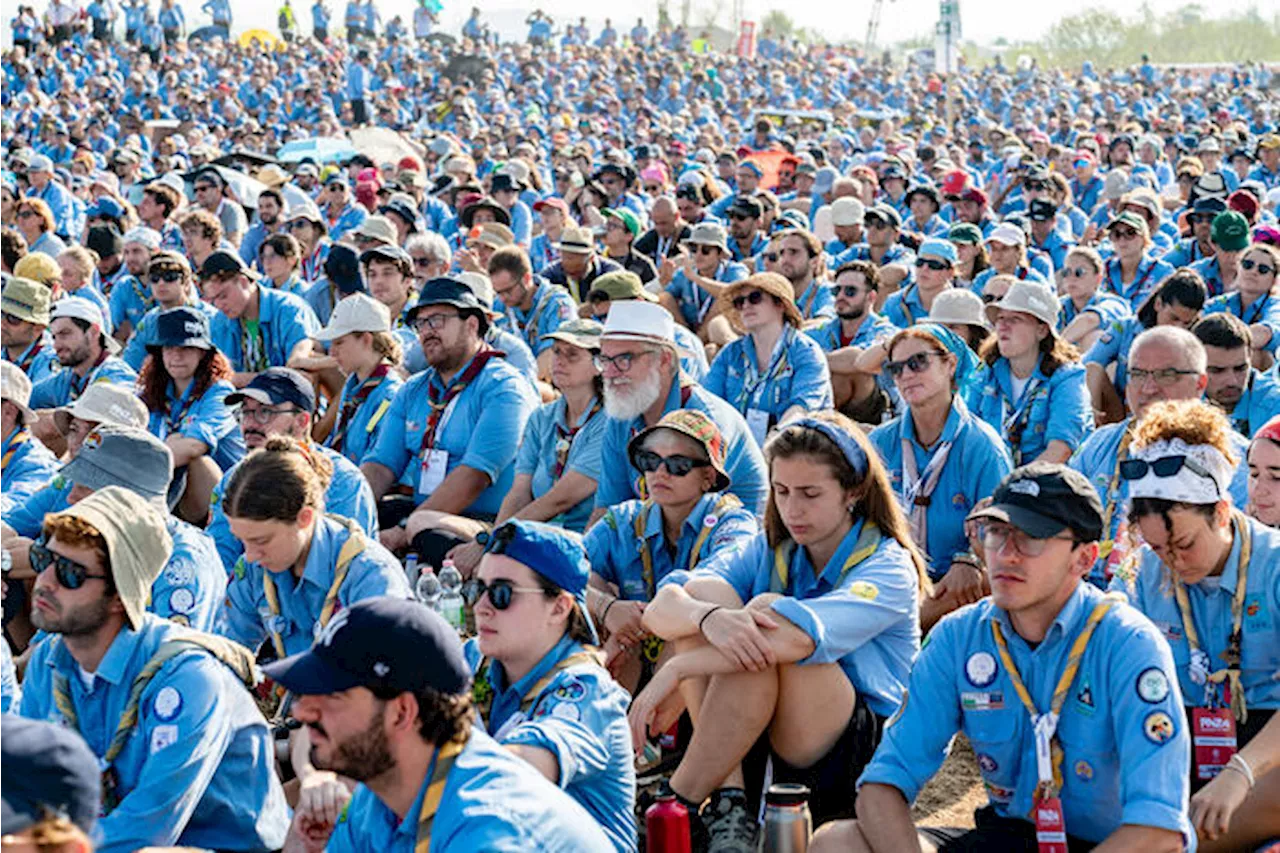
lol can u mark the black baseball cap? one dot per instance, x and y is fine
(391, 645)
(1042, 210)
(48, 770)
(277, 385)
(447, 291)
(342, 267)
(223, 262)
(1043, 499)
(183, 326)
(745, 206)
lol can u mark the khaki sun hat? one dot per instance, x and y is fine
(771, 283)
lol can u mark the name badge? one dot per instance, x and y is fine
(1051, 828)
(435, 465)
(1213, 735)
(758, 423)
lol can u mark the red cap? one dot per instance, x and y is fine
(954, 183)
(1244, 203)
(1085, 154)
(1271, 430)
(556, 202)
(409, 164)
(974, 194)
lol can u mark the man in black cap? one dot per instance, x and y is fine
(1045, 238)
(385, 696)
(1197, 245)
(51, 787)
(745, 237)
(1068, 696)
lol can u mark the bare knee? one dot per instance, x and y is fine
(839, 836)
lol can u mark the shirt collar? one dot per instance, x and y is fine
(115, 662)
(1072, 614)
(559, 651)
(319, 567)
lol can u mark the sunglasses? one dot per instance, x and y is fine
(1076, 272)
(916, 363)
(1200, 217)
(70, 574)
(849, 290)
(1123, 234)
(1165, 466)
(166, 275)
(1263, 269)
(755, 297)
(707, 250)
(499, 591)
(933, 264)
(1037, 185)
(646, 461)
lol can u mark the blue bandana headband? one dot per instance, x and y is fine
(848, 446)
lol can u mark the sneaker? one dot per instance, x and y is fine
(730, 827)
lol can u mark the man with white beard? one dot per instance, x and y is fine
(642, 382)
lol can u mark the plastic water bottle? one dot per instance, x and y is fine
(452, 606)
(787, 823)
(411, 570)
(666, 824)
(427, 588)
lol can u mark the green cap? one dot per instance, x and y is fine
(621, 285)
(628, 219)
(578, 331)
(965, 233)
(1230, 231)
(27, 300)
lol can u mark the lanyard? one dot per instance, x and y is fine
(20, 438)
(1112, 497)
(726, 502)
(78, 384)
(753, 378)
(1015, 423)
(1048, 750)
(178, 410)
(438, 407)
(566, 436)
(438, 774)
(1231, 672)
(535, 317)
(704, 307)
(866, 545)
(353, 403)
(1116, 278)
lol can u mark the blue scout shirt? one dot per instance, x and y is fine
(1265, 309)
(190, 589)
(874, 328)
(38, 360)
(355, 437)
(492, 800)
(695, 303)
(904, 308)
(284, 320)
(552, 305)
(797, 375)
(512, 347)
(130, 299)
(580, 716)
(551, 446)
(64, 387)
(1210, 270)
(247, 616)
(135, 352)
(10, 690)
(1050, 408)
(1113, 345)
(1109, 308)
(26, 466)
(976, 461)
(26, 515)
(817, 301)
(480, 428)
(743, 461)
(348, 495)
(351, 216)
(1150, 275)
(1126, 757)
(715, 526)
(864, 615)
(205, 419)
(1147, 583)
(199, 768)
(1259, 403)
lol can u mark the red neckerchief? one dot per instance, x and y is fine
(565, 442)
(355, 401)
(455, 388)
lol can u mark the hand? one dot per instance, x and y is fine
(666, 271)
(394, 538)
(686, 263)
(321, 796)
(644, 707)
(1215, 803)
(737, 634)
(466, 557)
(623, 621)
(468, 260)
(963, 582)
(616, 655)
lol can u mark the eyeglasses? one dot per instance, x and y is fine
(849, 290)
(933, 264)
(26, 214)
(1076, 272)
(646, 461)
(165, 275)
(1263, 269)
(706, 250)
(434, 322)
(916, 363)
(755, 297)
(297, 224)
(263, 415)
(1123, 234)
(1163, 377)
(500, 592)
(70, 574)
(1165, 466)
(620, 362)
(200, 188)
(996, 536)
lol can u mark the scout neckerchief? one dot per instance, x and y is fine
(313, 266)
(1049, 752)
(29, 354)
(1016, 417)
(531, 328)
(143, 293)
(1255, 310)
(79, 383)
(565, 437)
(21, 437)
(867, 543)
(1199, 658)
(178, 408)
(352, 404)
(234, 656)
(438, 776)
(456, 387)
(1115, 277)
(917, 488)
(482, 690)
(725, 503)
(1111, 497)
(352, 548)
(752, 377)
(807, 299)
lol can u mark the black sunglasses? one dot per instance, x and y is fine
(849, 290)
(166, 275)
(677, 466)
(988, 298)
(755, 297)
(932, 263)
(1250, 263)
(707, 250)
(70, 574)
(500, 592)
(916, 363)
(771, 257)
(1166, 466)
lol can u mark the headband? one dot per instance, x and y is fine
(1271, 430)
(852, 451)
(1187, 485)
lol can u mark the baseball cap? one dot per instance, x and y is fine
(581, 332)
(26, 299)
(78, 308)
(105, 206)
(744, 206)
(697, 426)
(619, 285)
(143, 236)
(884, 213)
(104, 403)
(1008, 234)
(943, 249)
(359, 312)
(1042, 210)
(48, 770)
(552, 552)
(223, 262)
(183, 326)
(555, 202)
(1230, 231)
(626, 217)
(965, 233)
(1043, 499)
(386, 252)
(377, 228)
(342, 267)
(277, 385)
(128, 456)
(391, 645)
(138, 545)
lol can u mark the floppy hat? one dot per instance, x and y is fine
(579, 332)
(1029, 297)
(771, 283)
(15, 386)
(576, 241)
(959, 305)
(127, 456)
(697, 426)
(708, 234)
(26, 299)
(104, 403)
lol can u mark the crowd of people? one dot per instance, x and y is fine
(658, 414)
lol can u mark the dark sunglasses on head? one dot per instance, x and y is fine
(1165, 466)
(500, 592)
(165, 275)
(677, 466)
(916, 363)
(755, 297)
(70, 574)
(1250, 263)
(933, 264)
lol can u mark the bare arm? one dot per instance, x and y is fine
(572, 489)
(518, 497)
(543, 760)
(380, 478)
(185, 449)
(844, 361)
(674, 614)
(1148, 839)
(1057, 451)
(885, 819)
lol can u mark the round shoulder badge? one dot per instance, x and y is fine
(1158, 727)
(1153, 685)
(980, 669)
(168, 703)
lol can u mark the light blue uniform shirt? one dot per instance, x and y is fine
(351, 216)
(552, 305)
(817, 301)
(580, 716)
(866, 618)
(199, 768)
(1108, 307)
(874, 328)
(743, 461)
(348, 495)
(366, 424)
(695, 303)
(492, 800)
(130, 299)
(976, 463)
(1259, 403)
(144, 332)
(615, 551)
(247, 617)
(1147, 583)
(284, 320)
(1150, 275)
(481, 428)
(26, 515)
(1265, 310)
(27, 471)
(64, 387)
(904, 308)
(44, 361)
(10, 689)
(1113, 345)
(191, 587)
(1052, 408)
(540, 451)
(797, 375)
(207, 419)
(1114, 772)
(512, 346)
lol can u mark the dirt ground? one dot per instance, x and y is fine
(954, 792)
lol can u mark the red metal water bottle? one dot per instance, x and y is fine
(666, 824)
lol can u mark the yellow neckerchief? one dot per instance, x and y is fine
(21, 437)
(1231, 672)
(726, 502)
(482, 690)
(438, 773)
(352, 548)
(1110, 498)
(868, 542)
(1046, 790)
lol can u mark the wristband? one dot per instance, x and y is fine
(969, 559)
(705, 615)
(605, 615)
(1238, 764)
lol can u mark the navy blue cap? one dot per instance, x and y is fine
(223, 262)
(392, 645)
(384, 252)
(553, 552)
(447, 291)
(48, 771)
(342, 267)
(183, 326)
(277, 385)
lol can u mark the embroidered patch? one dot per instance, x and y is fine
(1084, 696)
(1256, 615)
(1025, 487)
(1084, 770)
(980, 669)
(565, 711)
(1158, 727)
(168, 703)
(92, 441)
(998, 794)
(986, 763)
(1153, 685)
(982, 701)
(182, 600)
(865, 590)
(710, 521)
(163, 736)
(335, 624)
(571, 691)
(180, 572)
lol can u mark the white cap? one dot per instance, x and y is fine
(847, 211)
(1029, 297)
(358, 312)
(636, 320)
(104, 403)
(143, 236)
(1008, 234)
(377, 227)
(78, 308)
(15, 386)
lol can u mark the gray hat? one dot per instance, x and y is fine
(138, 545)
(104, 403)
(709, 234)
(124, 456)
(578, 331)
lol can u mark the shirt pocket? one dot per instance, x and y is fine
(993, 721)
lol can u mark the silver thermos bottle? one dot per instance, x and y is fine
(787, 822)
